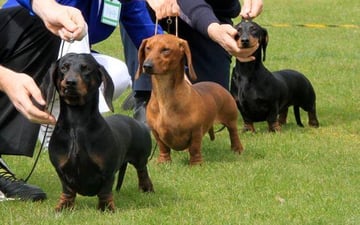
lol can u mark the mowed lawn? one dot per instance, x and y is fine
(298, 176)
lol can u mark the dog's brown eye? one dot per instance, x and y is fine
(165, 50)
(64, 68)
(83, 67)
(253, 30)
(240, 31)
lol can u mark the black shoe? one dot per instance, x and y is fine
(140, 112)
(129, 102)
(141, 100)
(12, 187)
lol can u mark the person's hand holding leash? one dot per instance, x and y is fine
(164, 8)
(251, 9)
(64, 21)
(20, 88)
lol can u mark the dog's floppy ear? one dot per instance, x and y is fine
(141, 58)
(264, 42)
(108, 87)
(47, 86)
(185, 46)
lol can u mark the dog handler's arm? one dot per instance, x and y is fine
(224, 35)
(64, 21)
(20, 88)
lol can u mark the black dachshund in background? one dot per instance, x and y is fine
(87, 149)
(262, 95)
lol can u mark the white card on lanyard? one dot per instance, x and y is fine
(111, 12)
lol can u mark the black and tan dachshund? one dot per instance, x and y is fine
(262, 95)
(87, 149)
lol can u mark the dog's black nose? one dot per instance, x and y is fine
(148, 66)
(245, 41)
(71, 81)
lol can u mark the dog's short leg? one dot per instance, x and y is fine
(195, 157)
(236, 145)
(313, 121)
(273, 121)
(297, 116)
(248, 126)
(106, 201)
(145, 183)
(283, 116)
(66, 201)
(274, 126)
(164, 155)
(195, 149)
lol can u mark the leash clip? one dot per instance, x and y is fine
(169, 22)
(246, 20)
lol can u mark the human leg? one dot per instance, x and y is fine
(142, 86)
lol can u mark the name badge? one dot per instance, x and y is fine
(111, 12)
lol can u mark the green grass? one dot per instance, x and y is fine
(299, 176)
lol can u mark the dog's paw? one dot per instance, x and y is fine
(106, 203)
(274, 127)
(146, 187)
(145, 183)
(164, 158)
(237, 149)
(66, 201)
(314, 123)
(248, 127)
(196, 163)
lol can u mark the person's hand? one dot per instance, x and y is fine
(164, 8)
(224, 35)
(20, 88)
(251, 9)
(245, 54)
(64, 21)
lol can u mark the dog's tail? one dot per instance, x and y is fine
(121, 175)
(297, 116)
(211, 133)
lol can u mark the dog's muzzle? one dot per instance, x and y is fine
(148, 67)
